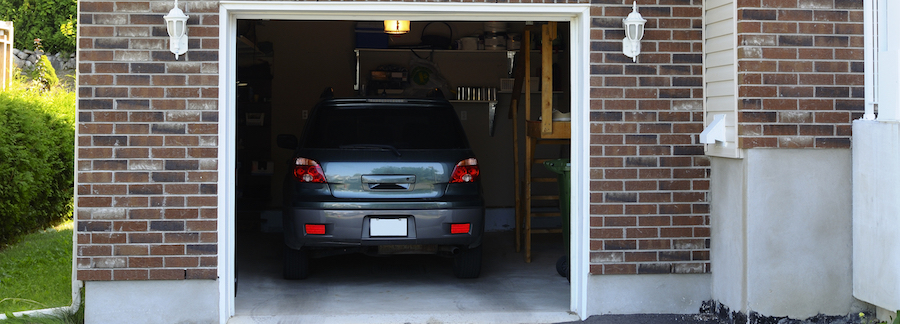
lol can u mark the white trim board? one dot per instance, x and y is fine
(577, 14)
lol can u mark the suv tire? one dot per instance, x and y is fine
(467, 264)
(562, 267)
(296, 263)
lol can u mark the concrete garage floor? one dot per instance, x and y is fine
(402, 289)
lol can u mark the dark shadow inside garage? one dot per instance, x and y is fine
(283, 66)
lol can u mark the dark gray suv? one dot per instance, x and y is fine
(382, 176)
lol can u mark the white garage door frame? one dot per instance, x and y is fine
(578, 15)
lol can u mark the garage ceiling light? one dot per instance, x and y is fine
(396, 27)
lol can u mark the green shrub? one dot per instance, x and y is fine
(43, 73)
(37, 131)
(53, 21)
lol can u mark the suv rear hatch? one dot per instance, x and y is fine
(417, 174)
(387, 149)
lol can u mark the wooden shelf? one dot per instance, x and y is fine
(561, 130)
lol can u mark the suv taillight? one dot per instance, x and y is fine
(465, 171)
(306, 170)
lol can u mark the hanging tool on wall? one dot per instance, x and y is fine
(518, 68)
(521, 79)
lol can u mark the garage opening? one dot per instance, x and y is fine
(282, 68)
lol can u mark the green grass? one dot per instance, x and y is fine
(36, 272)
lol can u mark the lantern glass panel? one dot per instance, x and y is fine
(170, 27)
(179, 28)
(631, 32)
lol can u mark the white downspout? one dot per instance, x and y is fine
(871, 57)
(887, 67)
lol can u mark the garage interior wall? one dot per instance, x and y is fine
(310, 56)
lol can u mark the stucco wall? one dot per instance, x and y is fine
(152, 301)
(876, 250)
(790, 245)
(652, 293)
(728, 238)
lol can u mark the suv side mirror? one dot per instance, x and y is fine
(287, 141)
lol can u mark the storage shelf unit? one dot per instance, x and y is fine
(461, 61)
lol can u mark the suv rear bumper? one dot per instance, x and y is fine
(351, 228)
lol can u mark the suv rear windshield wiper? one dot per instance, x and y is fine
(383, 147)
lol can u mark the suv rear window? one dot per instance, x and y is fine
(401, 127)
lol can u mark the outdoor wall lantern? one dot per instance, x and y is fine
(176, 25)
(396, 27)
(634, 31)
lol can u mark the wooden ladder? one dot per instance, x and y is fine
(543, 132)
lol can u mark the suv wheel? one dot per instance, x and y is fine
(296, 263)
(467, 264)
(562, 267)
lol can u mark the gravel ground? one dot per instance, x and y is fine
(709, 319)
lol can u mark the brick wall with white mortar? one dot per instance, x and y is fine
(147, 143)
(800, 72)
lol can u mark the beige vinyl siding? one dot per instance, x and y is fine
(720, 73)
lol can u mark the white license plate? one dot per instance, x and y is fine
(387, 227)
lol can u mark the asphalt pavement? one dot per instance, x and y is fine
(649, 319)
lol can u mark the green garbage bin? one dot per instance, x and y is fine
(562, 168)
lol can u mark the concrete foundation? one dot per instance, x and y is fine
(876, 250)
(152, 301)
(647, 293)
(781, 232)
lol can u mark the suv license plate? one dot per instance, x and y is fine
(387, 227)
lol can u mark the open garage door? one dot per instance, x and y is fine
(280, 66)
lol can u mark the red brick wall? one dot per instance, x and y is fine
(800, 72)
(649, 177)
(147, 144)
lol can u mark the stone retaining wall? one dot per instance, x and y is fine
(64, 64)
